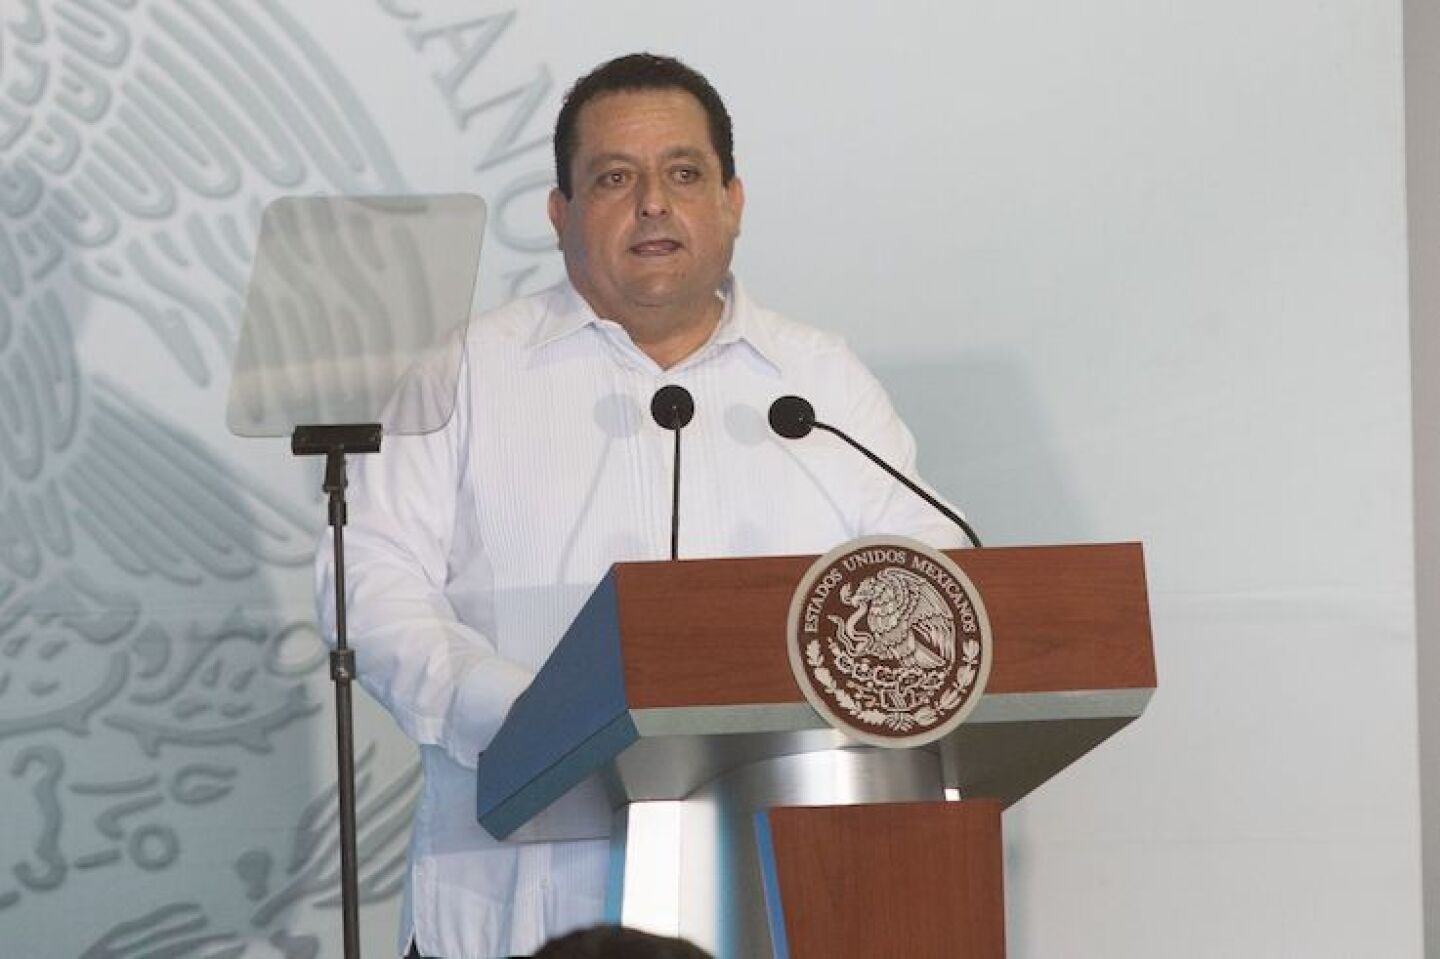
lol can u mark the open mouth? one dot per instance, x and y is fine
(655, 248)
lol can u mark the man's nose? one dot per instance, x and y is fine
(654, 198)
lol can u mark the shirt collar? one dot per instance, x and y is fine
(740, 323)
(567, 313)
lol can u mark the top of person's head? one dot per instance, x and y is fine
(617, 942)
(637, 72)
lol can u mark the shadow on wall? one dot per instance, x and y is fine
(987, 445)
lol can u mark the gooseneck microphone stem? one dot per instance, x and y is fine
(672, 408)
(793, 418)
(675, 504)
(905, 481)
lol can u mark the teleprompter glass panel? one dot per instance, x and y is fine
(348, 297)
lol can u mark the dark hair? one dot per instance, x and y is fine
(617, 942)
(641, 71)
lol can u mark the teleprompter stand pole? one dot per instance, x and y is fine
(334, 442)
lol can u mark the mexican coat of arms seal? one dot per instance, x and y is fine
(889, 641)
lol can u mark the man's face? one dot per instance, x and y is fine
(649, 229)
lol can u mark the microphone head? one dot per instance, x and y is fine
(792, 417)
(672, 406)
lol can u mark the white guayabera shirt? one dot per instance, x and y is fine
(469, 551)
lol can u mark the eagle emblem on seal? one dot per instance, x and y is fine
(908, 621)
(889, 641)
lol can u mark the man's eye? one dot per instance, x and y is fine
(685, 174)
(614, 178)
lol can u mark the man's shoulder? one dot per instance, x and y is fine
(796, 342)
(516, 317)
(509, 330)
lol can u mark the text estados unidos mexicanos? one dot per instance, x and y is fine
(926, 567)
(816, 602)
(950, 587)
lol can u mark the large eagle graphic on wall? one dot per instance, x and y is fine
(139, 141)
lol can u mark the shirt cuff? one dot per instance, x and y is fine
(480, 706)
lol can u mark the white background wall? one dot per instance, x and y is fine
(1131, 270)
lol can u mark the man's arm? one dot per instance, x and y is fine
(443, 681)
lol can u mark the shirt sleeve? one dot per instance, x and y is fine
(888, 508)
(444, 682)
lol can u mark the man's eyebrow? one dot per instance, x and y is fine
(605, 159)
(685, 153)
(600, 160)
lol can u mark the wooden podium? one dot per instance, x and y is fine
(673, 683)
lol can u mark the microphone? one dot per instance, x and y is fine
(793, 417)
(673, 407)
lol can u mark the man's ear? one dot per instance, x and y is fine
(735, 196)
(559, 208)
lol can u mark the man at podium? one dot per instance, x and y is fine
(471, 549)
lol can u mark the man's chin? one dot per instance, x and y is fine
(669, 306)
(659, 295)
